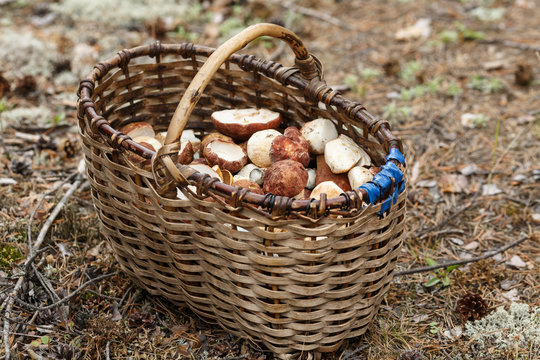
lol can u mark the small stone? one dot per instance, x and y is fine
(511, 295)
(457, 241)
(420, 318)
(519, 178)
(469, 170)
(490, 189)
(472, 245)
(421, 29)
(426, 183)
(536, 175)
(535, 218)
(506, 284)
(454, 334)
(7, 181)
(517, 262)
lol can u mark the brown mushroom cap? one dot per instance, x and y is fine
(185, 154)
(250, 185)
(323, 173)
(290, 145)
(285, 178)
(240, 124)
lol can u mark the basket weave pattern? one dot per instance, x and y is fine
(299, 282)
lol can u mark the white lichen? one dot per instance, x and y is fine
(517, 328)
(120, 11)
(22, 53)
(26, 115)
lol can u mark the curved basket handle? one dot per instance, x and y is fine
(305, 62)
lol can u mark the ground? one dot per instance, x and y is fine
(460, 88)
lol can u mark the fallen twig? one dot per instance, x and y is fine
(32, 249)
(107, 351)
(352, 355)
(512, 44)
(67, 298)
(422, 234)
(486, 255)
(29, 226)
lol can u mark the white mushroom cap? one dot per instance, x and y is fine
(343, 153)
(149, 140)
(189, 135)
(311, 178)
(244, 172)
(359, 175)
(258, 147)
(205, 169)
(328, 187)
(137, 129)
(226, 154)
(240, 124)
(317, 133)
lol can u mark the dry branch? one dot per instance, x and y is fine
(486, 255)
(32, 249)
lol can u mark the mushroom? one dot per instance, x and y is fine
(359, 175)
(257, 175)
(213, 136)
(250, 185)
(285, 178)
(290, 145)
(325, 174)
(144, 140)
(137, 129)
(312, 174)
(328, 187)
(317, 133)
(185, 154)
(226, 154)
(343, 153)
(244, 172)
(149, 143)
(258, 147)
(205, 169)
(240, 124)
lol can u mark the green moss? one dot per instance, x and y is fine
(8, 254)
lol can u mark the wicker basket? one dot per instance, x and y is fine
(299, 276)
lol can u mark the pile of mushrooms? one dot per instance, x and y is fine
(251, 151)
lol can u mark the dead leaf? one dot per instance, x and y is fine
(421, 29)
(452, 183)
(178, 331)
(116, 314)
(96, 250)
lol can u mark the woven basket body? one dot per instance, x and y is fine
(300, 282)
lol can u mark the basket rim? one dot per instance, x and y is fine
(314, 90)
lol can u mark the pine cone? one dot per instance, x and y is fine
(472, 307)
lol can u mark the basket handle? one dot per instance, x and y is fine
(304, 61)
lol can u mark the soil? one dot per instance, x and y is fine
(462, 92)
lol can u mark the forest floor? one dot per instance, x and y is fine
(459, 82)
